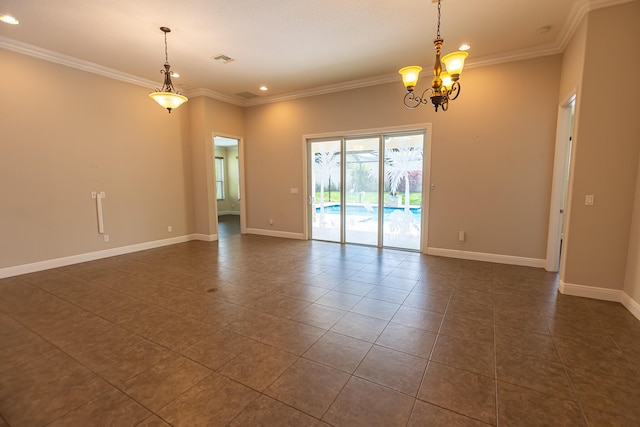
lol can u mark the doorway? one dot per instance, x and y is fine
(368, 189)
(561, 177)
(227, 178)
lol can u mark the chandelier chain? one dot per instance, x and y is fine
(439, 7)
(166, 52)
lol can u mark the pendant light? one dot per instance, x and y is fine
(167, 97)
(445, 86)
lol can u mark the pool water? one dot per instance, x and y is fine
(366, 211)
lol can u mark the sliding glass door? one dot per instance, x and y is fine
(325, 158)
(361, 166)
(403, 160)
(367, 190)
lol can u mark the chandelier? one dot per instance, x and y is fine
(445, 86)
(167, 97)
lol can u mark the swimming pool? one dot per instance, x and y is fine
(357, 209)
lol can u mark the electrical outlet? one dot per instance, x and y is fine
(105, 237)
(270, 222)
(169, 229)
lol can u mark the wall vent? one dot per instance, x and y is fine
(247, 95)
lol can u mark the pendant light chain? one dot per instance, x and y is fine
(166, 51)
(439, 7)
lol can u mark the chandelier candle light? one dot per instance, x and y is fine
(167, 97)
(444, 86)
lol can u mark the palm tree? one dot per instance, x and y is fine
(400, 163)
(325, 165)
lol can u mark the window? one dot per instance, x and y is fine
(220, 178)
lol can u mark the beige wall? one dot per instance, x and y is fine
(492, 154)
(607, 147)
(66, 133)
(573, 62)
(209, 116)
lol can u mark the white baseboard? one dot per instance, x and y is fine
(90, 256)
(206, 237)
(272, 233)
(481, 256)
(605, 294)
(590, 292)
(631, 305)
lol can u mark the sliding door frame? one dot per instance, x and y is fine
(425, 128)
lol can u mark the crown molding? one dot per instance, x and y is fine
(574, 19)
(70, 61)
(322, 90)
(577, 14)
(216, 95)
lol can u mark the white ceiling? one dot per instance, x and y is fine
(295, 47)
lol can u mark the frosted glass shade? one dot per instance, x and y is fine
(168, 100)
(454, 62)
(446, 80)
(410, 76)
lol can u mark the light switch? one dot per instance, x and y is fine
(588, 200)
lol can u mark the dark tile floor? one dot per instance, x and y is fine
(254, 330)
(228, 226)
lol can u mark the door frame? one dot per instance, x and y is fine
(561, 180)
(426, 165)
(213, 209)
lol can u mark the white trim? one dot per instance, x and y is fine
(306, 179)
(560, 182)
(631, 305)
(364, 132)
(487, 257)
(594, 292)
(91, 256)
(70, 61)
(205, 237)
(323, 90)
(272, 233)
(604, 294)
(426, 187)
(214, 95)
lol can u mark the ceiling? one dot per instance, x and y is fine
(294, 47)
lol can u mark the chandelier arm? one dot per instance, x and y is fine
(445, 104)
(412, 101)
(455, 91)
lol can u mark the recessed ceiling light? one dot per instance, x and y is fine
(464, 47)
(8, 19)
(264, 88)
